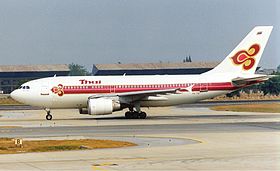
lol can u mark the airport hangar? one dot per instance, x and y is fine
(11, 76)
(153, 68)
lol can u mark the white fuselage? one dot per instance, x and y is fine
(74, 91)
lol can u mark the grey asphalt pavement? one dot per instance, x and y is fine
(184, 138)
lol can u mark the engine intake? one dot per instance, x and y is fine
(102, 106)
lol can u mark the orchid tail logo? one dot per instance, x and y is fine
(246, 58)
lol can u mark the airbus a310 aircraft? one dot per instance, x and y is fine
(101, 95)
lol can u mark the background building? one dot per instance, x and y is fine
(11, 76)
(153, 68)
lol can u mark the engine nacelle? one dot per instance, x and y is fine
(102, 106)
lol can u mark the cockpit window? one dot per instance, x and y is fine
(24, 87)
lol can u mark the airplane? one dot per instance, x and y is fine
(102, 95)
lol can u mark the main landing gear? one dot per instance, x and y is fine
(135, 115)
(48, 116)
(132, 114)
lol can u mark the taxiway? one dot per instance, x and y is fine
(184, 138)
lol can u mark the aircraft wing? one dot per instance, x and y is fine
(128, 97)
(239, 81)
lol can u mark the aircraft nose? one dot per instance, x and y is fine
(14, 94)
(18, 96)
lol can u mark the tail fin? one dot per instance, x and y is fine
(245, 57)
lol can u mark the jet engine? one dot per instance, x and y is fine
(102, 106)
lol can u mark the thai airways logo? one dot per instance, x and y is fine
(58, 90)
(246, 58)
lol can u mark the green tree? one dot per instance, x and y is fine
(78, 70)
(272, 86)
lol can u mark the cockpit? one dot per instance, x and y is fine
(24, 87)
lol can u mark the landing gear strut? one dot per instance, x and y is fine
(48, 116)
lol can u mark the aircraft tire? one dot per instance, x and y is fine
(49, 117)
(128, 115)
(135, 115)
(142, 115)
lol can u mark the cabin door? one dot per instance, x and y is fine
(46, 95)
(45, 91)
(203, 87)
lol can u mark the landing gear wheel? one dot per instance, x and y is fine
(142, 115)
(49, 117)
(128, 115)
(135, 115)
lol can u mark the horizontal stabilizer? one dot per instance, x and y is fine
(239, 81)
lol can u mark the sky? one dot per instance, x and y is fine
(90, 32)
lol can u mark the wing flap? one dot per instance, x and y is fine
(128, 97)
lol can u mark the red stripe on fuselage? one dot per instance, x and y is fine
(96, 89)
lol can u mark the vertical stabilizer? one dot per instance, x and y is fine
(245, 57)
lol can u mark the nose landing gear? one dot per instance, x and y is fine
(48, 116)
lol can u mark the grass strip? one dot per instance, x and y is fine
(7, 145)
(264, 108)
